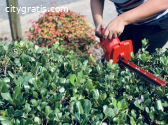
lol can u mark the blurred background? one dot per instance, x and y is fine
(32, 3)
(78, 6)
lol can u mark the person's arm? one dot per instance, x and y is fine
(97, 7)
(143, 12)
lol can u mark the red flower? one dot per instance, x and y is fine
(43, 45)
(39, 30)
(57, 33)
(35, 26)
(91, 64)
(26, 32)
(65, 41)
(27, 38)
(90, 51)
(50, 43)
(82, 44)
(76, 41)
(44, 36)
(31, 36)
(29, 21)
(52, 3)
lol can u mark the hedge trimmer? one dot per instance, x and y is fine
(120, 52)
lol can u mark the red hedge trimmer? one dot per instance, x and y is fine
(120, 52)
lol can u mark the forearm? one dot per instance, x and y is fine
(143, 12)
(97, 7)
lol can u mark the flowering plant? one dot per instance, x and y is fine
(72, 30)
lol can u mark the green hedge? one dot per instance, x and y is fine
(46, 86)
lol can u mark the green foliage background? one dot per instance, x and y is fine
(47, 86)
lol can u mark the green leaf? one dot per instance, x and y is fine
(152, 115)
(89, 84)
(11, 74)
(17, 122)
(7, 80)
(11, 111)
(53, 86)
(38, 120)
(43, 105)
(35, 94)
(36, 47)
(62, 80)
(24, 59)
(5, 47)
(133, 113)
(34, 102)
(159, 91)
(96, 94)
(27, 108)
(110, 64)
(116, 110)
(132, 121)
(18, 113)
(21, 43)
(2, 118)
(132, 55)
(164, 60)
(85, 121)
(114, 102)
(16, 82)
(39, 50)
(87, 106)
(137, 105)
(143, 57)
(1, 44)
(62, 90)
(17, 91)
(6, 123)
(43, 91)
(77, 116)
(103, 96)
(29, 121)
(119, 105)
(7, 97)
(17, 61)
(72, 79)
(159, 105)
(144, 42)
(109, 112)
(58, 116)
(104, 108)
(79, 107)
(147, 109)
(92, 59)
(147, 102)
(47, 111)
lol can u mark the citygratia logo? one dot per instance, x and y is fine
(42, 9)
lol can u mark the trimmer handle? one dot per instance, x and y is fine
(103, 31)
(114, 49)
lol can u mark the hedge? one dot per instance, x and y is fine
(72, 30)
(46, 86)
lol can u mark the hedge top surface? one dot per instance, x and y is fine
(45, 85)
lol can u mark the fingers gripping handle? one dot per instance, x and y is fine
(102, 40)
(103, 32)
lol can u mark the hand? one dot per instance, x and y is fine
(99, 26)
(114, 29)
